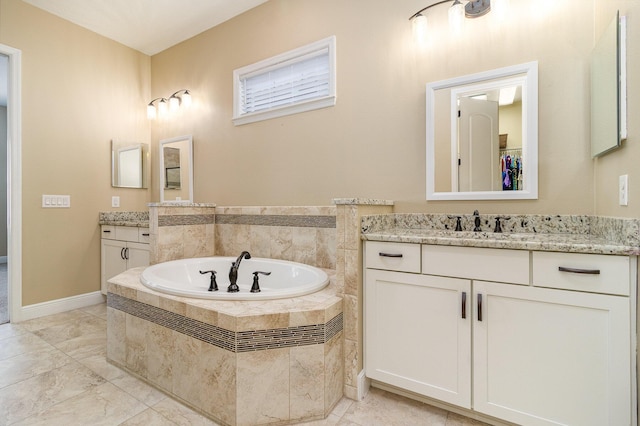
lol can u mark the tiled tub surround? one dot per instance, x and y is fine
(181, 230)
(570, 234)
(240, 363)
(299, 234)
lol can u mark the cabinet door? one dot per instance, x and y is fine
(415, 335)
(112, 261)
(137, 254)
(545, 356)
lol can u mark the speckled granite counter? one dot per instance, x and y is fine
(569, 234)
(140, 219)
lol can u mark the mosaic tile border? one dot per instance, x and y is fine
(303, 221)
(237, 342)
(179, 220)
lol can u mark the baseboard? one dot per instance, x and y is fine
(363, 385)
(59, 305)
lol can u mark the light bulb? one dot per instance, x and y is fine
(174, 103)
(456, 17)
(162, 107)
(186, 99)
(151, 112)
(500, 8)
(419, 24)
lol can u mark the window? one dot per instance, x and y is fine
(300, 80)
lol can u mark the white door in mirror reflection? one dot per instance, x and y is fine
(478, 146)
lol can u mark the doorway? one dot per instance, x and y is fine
(12, 156)
(4, 282)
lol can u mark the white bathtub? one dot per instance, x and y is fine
(183, 278)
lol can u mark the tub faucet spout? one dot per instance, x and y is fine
(233, 272)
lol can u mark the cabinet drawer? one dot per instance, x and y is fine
(127, 233)
(403, 257)
(143, 235)
(507, 266)
(592, 273)
(108, 232)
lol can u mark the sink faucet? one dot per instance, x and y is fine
(476, 221)
(233, 272)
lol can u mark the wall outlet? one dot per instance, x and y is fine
(623, 190)
(115, 201)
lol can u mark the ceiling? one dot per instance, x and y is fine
(149, 26)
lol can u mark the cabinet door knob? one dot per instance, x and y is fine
(479, 307)
(464, 305)
(579, 271)
(382, 254)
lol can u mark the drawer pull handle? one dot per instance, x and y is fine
(464, 305)
(145, 235)
(382, 254)
(479, 307)
(106, 231)
(579, 271)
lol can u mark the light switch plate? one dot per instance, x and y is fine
(115, 201)
(56, 201)
(623, 190)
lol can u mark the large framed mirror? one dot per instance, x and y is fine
(130, 164)
(482, 135)
(609, 89)
(176, 169)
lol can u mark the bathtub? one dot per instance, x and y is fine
(183, 278)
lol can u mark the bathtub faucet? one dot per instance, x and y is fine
(233, 272)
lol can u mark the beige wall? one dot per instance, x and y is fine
(372, 143)
(79, 91)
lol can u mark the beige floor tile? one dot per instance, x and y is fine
(99, 310)
(138, 389)
(10, 330)
(31, 396)
(181, 414)
(384, 408)
(67, 330)
(454, 419)
(20, 344)
(69, 317)
(85, 345)
(148, 417)
(25, 366)
(103, 405)
(99, 364)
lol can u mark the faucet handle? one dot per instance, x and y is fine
(255, 288)
(458, 223)
(498, 228)
(213, 286)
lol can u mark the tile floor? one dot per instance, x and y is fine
(53, 371)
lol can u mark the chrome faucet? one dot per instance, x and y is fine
(233, 272)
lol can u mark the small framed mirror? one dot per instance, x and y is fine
(482, 135)
(129, 164)
(176, 169)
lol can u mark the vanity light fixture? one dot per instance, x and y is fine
(457, 12)
(164, 105)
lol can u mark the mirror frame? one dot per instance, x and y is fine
(145, 161)
(188, 158)
(529, 130)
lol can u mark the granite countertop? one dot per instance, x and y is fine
(136, 219)
(568, 234)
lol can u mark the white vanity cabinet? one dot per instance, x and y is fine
(122, 248)
(535, 338)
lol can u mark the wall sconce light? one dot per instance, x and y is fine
(165, 105)
(457, 12)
